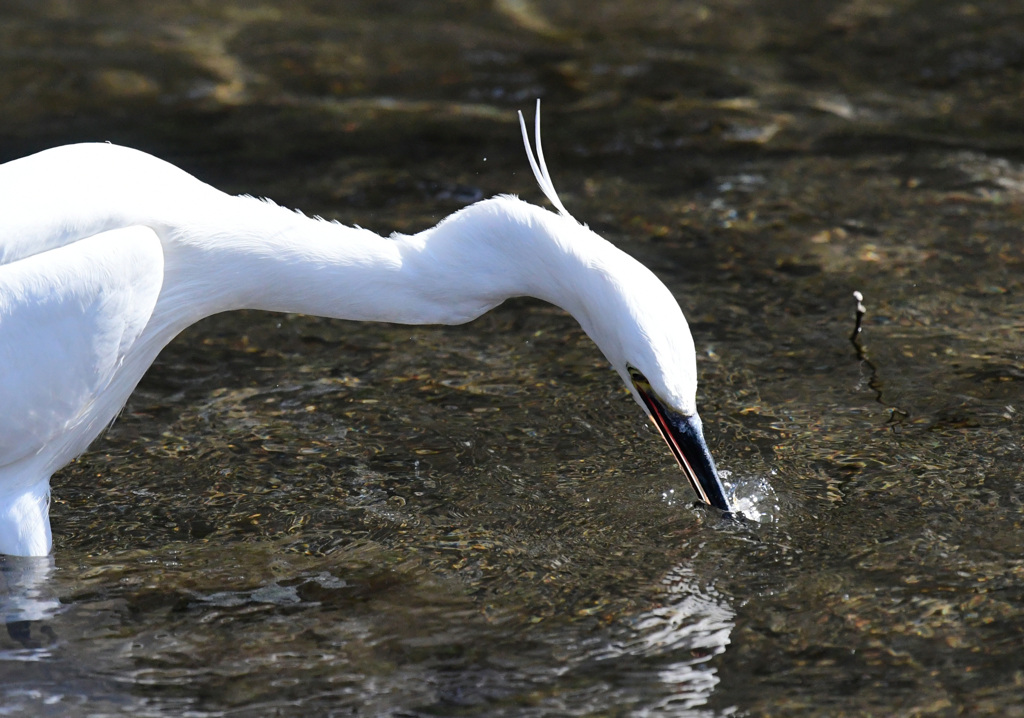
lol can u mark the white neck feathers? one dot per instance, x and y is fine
(223, 253)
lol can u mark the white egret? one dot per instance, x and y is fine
(107, 253)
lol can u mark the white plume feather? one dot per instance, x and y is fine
(540, 168)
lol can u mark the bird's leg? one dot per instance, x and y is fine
(25, 521)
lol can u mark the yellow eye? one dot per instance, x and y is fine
(639, 380)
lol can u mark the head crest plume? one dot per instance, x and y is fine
(540, 168)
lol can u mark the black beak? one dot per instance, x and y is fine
(685, 439)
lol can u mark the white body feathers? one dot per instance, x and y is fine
(107, 253)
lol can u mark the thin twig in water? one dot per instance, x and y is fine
(860, 315)
(896, 415)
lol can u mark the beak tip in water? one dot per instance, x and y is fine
(684, 435)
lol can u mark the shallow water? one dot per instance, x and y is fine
(296, 516)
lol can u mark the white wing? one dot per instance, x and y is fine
(69, 320)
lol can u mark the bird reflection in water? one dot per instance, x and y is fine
(681, 635)
(26, 598)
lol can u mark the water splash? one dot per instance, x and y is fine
(753, 496)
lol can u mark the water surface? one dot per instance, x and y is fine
(296, 516)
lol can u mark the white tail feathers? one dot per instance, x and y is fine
(540, 168)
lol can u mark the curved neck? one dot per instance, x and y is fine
(250, 254)
(223, 252)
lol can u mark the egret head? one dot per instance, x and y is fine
(682, 431)
(638, 325)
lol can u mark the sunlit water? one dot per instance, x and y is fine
(753, 498)
(301, 517)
